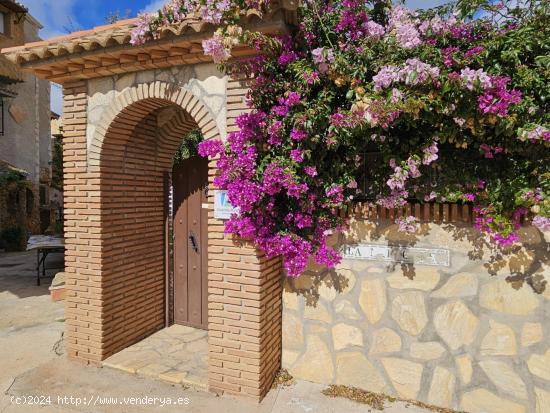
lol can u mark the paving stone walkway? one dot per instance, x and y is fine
(177, 355)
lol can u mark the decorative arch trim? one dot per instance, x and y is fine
(143, 99)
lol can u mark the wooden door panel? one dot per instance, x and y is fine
(190, 243)
(180, 180)
(194, 250)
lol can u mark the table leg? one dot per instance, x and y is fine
(37, 266)
(44, 255)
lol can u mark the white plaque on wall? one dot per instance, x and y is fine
(402, 254)
(222, 208)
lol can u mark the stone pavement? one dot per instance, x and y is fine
(22, 303)
(109, 391)
(31, 325)
(176, 354)
(32, 363)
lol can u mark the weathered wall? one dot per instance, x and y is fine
(27, 139)
(454, 336)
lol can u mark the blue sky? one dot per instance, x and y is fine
(61, 16)
(58, 16)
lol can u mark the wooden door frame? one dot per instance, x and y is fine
(168, 318)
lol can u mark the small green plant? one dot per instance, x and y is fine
(57, 165)
(188, 146)
(8, 176)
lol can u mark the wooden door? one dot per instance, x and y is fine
(190, 183)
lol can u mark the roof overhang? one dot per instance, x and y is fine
(7, 167)
(9, 72)
(106, 50)
(14, 6)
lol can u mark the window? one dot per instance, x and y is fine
(43, 195)
(6, 22)
(30, 202)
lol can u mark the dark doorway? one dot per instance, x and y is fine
(190, 225)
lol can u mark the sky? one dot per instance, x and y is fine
(60, 17)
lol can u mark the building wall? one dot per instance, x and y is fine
(244, 295)
(132, 212)
(472, 336)
(138, 142)
(26, 143)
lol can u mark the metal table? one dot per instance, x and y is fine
(44, 245)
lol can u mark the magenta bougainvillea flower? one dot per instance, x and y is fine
(454, 109)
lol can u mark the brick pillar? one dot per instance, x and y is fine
(244, 315)
(244, 292)
(82, 233)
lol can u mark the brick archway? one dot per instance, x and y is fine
(113, 201)
(137, 153)
(115, 247)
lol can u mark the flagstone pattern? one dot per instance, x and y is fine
(177, 355)
(455, 337)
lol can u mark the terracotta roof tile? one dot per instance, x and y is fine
(119, 34)
(120, 27)
(105, 50)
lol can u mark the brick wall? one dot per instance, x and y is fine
(244, 317)
(426, 212)
(136, 154)
(133, 243)
(115, 226)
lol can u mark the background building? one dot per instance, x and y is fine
(25, 138)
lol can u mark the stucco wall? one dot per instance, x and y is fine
(472, 336)
(26, 140)
(26, 144)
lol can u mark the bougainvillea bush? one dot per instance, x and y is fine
(453, 100)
